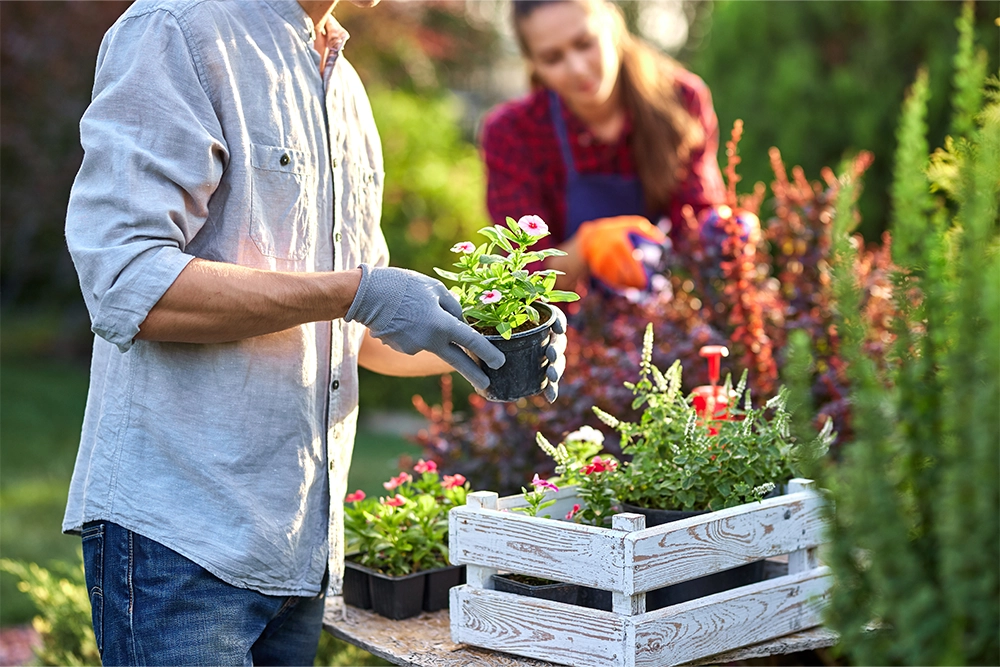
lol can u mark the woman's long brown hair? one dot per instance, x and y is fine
(664, 133)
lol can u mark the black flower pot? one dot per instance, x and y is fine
(397, 597)
(357, 591)
(439, 583)
(695, 588)
(595, 598)
(557, 592)
(523, 373)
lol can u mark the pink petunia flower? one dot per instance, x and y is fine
(452, 481)
(534, 225)
(465, 247)
(490, 296)
(572, 513)
(425, 466)
(399, 479)
(398, 501)
(355, 497)
(543, 484)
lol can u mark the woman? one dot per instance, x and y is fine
(612, 128)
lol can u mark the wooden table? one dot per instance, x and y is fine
(425, 641)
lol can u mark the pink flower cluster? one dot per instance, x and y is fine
(453, 481)
(539, 483)
(398, 480)
(597, 464)
(533, 225)
(355, 497)
(425, 466)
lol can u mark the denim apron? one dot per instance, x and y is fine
(593, 196)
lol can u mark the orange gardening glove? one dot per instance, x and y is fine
(609, 246)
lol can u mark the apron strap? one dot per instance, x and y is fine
(555, 110)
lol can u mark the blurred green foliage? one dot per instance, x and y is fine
(915, 537)
(821, 80)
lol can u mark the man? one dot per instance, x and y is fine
(224, 225)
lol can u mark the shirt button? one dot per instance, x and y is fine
(336, 237)
(335, 385)
(285, 160)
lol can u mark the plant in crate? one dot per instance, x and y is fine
(508, 303)
(687, 461)
(536, 501)
(915, 536)
(399, 563)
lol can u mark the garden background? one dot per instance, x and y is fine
(819, 80)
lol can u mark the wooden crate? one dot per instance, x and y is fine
(630, 559)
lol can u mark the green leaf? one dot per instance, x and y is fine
(447, 275)
(561, 296)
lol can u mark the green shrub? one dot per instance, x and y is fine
(915, 535)
(64, 624)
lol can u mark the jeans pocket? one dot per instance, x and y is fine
(93, 565)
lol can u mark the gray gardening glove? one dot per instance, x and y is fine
(409, 312)
(556, 355)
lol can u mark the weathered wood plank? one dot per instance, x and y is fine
(533, 628)
(731, 619)
(803, 559)
(623, 603)
(694, 547)
(558, 550)
(478, 576)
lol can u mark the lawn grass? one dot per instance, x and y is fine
(41, 410)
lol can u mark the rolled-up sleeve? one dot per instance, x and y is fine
(154, 154)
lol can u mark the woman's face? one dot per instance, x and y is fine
(572, 51)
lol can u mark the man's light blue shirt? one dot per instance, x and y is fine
(212, 134)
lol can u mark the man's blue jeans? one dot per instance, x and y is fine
(152, 606)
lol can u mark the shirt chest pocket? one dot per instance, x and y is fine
(283, 192)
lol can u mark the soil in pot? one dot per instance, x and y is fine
(523, 373)
(397, 597)
(702, 586)
(356, 587)
(536, 588)
(439, 584)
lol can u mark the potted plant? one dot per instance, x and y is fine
(685, 460)
(507, 303)
(398, 563)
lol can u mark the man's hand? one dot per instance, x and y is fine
(611, 248)
(555, 353)
(411, 312)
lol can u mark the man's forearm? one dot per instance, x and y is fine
(215, 302)
(378, 357)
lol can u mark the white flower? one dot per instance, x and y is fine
(534, 225)
(465, 247)
(490, 296)
(586, 434)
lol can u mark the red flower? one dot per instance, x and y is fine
(398, 501)
(572, 512)
(402, 478)
(451, 481)
(355, 497)
(598, 464)
(425, 466)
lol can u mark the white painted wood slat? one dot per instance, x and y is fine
(708, 543)
(533, 628)
(558, 550)
(731, 619)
